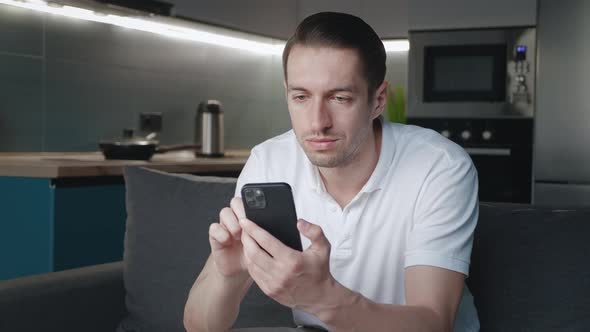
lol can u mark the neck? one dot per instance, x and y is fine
(344, 182)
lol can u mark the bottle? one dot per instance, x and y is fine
(209, 131)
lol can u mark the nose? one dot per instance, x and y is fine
(321, 119)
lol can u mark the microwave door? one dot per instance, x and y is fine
(474, 73)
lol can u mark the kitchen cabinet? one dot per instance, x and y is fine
(387, 17)
(463, 14)
(279, 18)
(562, 135)
(61, 211)
(266, 17)
(308, 7)
(52, 225)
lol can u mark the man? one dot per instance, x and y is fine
(387, 211)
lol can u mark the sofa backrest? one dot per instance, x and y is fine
(530, 269)
(166, 246)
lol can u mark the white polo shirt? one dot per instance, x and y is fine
(419, 207)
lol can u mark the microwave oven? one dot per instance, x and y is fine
(479, 73)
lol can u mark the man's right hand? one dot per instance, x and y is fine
(214, 300)
(226, 245)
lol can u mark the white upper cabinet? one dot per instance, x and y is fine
(460, 14)
(275, 18)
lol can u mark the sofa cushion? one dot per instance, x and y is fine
(529, 268)
(166, 246)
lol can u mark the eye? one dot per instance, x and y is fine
(342, 99)
(299, 98)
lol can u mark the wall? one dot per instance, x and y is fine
(66, 84)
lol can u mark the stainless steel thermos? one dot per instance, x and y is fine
(209, 129)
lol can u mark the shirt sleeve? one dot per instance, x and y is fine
(251, 173)
(445, 217)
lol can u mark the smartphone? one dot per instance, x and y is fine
(271, 206)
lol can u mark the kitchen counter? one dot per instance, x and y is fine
(88, 164)
(66, 210)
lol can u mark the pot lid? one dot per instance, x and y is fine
(129, 139)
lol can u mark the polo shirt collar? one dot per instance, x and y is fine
(387, 150)
(376, 180)
(312, 175)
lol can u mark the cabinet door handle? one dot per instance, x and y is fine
(488, 152)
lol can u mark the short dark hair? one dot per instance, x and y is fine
(341, 30)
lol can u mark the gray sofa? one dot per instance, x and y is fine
(529, 270)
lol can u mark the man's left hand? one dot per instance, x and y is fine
(293, 278)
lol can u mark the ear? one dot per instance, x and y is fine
(379, 100)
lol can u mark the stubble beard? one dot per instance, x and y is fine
(340, 156)
(325, 159)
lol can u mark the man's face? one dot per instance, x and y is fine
(328, 103)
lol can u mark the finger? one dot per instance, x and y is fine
(314, 233)
(219, 237)
(237, 206)
(260, 278)
(255, 255)
(229, 220)
(268, 242)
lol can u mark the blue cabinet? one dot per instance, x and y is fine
(55, 224)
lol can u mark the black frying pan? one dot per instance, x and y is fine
(141, 150)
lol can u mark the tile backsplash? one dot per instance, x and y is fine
(65, 84)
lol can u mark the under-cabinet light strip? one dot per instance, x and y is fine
(273, 47)
(396, 45)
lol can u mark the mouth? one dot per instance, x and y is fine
(321, 144)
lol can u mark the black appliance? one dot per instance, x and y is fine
(476, 73)
(501, 150)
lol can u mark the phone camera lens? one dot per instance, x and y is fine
(254, 198)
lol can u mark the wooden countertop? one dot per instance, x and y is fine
(70, 164)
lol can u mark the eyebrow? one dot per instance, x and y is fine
(338, 89)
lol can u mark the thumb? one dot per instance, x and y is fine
(315, 234)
